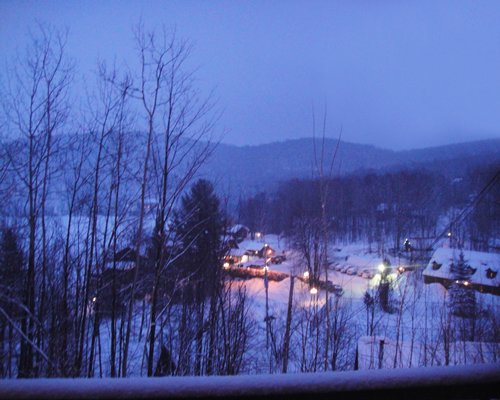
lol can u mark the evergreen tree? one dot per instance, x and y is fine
(11, 259)
(462, 297)
(384, 288)
(199, 226)
(165, 365)
(11, 263)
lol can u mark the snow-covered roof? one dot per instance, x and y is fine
(237, 228)
(480, 261)
(271, 240)
(249, 244)
(236, 252)
(121, 265)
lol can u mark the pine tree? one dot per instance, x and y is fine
(199, 227)
(11, 259)
(11, 263)
(462, 297)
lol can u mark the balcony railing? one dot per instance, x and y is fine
(456, 382)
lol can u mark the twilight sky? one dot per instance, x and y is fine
(397, 74)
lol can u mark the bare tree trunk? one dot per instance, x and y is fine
(286, 346)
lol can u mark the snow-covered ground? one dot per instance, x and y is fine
(417, 318)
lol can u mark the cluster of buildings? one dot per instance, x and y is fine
(245, 248)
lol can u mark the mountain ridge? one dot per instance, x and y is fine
(253, 168)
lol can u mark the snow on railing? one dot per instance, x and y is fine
(471, 381)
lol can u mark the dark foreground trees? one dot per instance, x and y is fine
(82, 190)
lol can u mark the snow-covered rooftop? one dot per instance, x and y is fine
(271, 240)
(479, 261)
(237, 228)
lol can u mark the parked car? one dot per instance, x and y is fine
(351, 271)
(278, 259)
(345, 267)
(333, 287)
(368, 274)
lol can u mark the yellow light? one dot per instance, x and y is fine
(94, 299)
(269, 252)
(466, 283)
(226, 265)
(381, 267)
(313, 291)
(306, 275)
(257, 235)
(401, 269)
(449, 234)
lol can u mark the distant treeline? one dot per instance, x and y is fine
(391, 206)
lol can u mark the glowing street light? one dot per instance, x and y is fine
(313, 291)
(306, 275)
(225, 265)
(381, 267)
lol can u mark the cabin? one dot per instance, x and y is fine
(239, 232)
(117, 277)
(236, 257)
(266, 251)
(123, 259)
(481, 269)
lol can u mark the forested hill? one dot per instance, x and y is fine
(256, 168)
(244, 171)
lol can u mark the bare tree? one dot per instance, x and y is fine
(178, 125)
(37, 107)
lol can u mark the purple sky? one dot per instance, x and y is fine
(397, 74)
